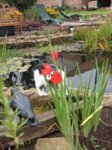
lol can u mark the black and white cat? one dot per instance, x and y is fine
(40, 81)
(34, 77)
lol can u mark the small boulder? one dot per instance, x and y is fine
(58, 143)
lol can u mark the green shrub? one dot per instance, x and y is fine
(21, 4)
(96, 38)
(68, 9)
(81, 33)
(31, 13)
(105, 36)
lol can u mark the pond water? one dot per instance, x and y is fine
(75, 80)
(87, 69)
(69, 60)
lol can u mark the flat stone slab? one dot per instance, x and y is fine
(58, 143)
(82, 23)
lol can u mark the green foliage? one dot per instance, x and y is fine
(21, 4)
(35, 32)
(11, 125)
(45, 32)
(81, 34)
(96, 38)
(27, 2)
(91, 39)
(90, 107)
(31, 13)
(105, 36)
(68, 9)
(92, 99)
(86, 14)
(12, 65)
(62, 111)
(8, 63)
(89, 35)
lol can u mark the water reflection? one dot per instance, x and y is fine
(75, 80)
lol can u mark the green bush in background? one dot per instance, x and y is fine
(21, 4)
(31, 13)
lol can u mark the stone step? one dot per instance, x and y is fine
(58, 143)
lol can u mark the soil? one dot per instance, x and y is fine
(102, 138)
(104, 131)
(30, 145)
(99, 140)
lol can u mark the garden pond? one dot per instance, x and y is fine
(86, 64)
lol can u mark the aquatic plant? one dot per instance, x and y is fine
(11, 64)
(105, 36)
(92, 99)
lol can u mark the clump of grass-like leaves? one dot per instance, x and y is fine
(67, 113)
(105, 36)
(63, 113)
(96, 38)
(92, 99)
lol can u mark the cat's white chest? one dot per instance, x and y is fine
(39, 82)
(39, 78)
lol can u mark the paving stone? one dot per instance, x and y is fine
(33, 37)
(31, 43)
(20, 37)
(59, 143)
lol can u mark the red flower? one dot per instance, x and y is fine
(46, 69)
(56, 77)
(54, 54)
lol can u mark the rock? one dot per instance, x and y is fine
(62, 38)
(11, 45)
(107, 101)
(27, 38)
(20, 44)
(33, 37)
(20, 38)
(58, 143)
(1, 44)
(31, 43)
(42, 42)
(32, 93)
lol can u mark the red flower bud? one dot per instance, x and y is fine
(46, 69)
(54, 54)
(56, 77)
